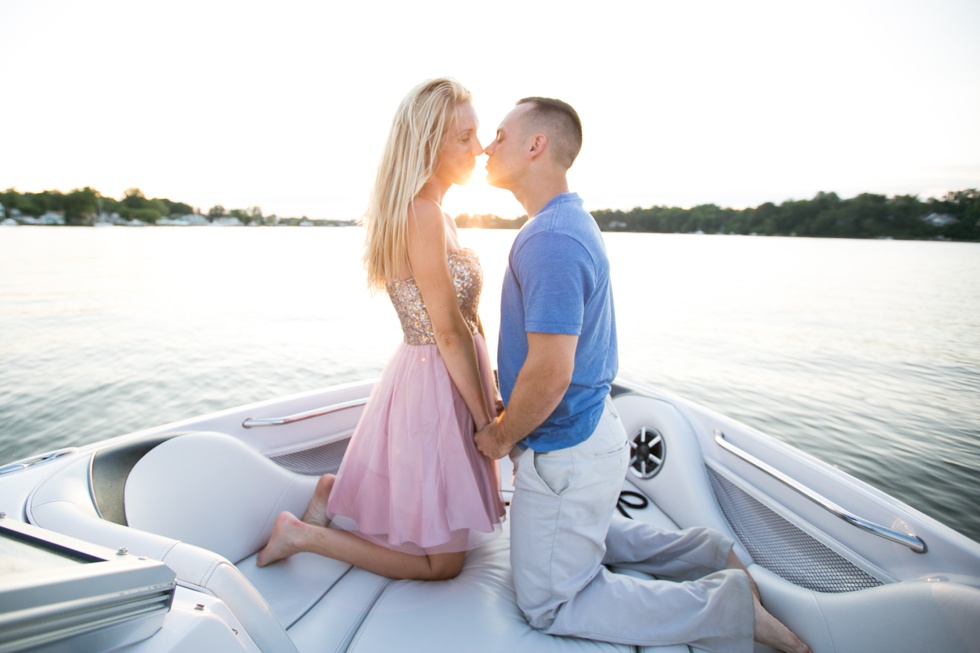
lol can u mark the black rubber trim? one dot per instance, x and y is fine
(110, 470)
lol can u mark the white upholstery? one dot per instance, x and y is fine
(681, 489)
(323, 602)
(62, 503)
(213, 491)
(474, 612)
(324, 605)
(906, 616)
(292, 586)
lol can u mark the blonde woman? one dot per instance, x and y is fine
(413, 494)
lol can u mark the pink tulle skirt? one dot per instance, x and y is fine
(412, 479)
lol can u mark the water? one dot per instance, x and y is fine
(863, 353)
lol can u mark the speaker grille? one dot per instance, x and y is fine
(784, 549)
(317, 461)
(648, 450)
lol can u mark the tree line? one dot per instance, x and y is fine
(83, 206)
(955, 216)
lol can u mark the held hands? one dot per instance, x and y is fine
(492, 442)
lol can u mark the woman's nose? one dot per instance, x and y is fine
(488, 150)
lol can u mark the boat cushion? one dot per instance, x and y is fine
(475, 612)
(213, 491)
(325, 604)
(111, 466)
(63, 503)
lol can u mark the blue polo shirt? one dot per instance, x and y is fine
(557, 281)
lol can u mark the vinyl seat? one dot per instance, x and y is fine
(208, 527)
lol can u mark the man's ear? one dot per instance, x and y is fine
(538, 145)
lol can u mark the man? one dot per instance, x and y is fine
(557, 358)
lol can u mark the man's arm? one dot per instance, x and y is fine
(540, 386)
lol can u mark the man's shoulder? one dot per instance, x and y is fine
(566, 205)
(566, 218)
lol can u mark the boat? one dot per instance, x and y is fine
(146, 543)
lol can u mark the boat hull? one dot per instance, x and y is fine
(200, 496)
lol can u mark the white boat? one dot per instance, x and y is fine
(146, 543)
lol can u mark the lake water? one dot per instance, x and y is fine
(863, 353)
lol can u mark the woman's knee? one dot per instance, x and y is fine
(446, 566)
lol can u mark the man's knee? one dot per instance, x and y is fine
(538, 616)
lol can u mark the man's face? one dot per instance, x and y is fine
(460, 147)
(506, 164)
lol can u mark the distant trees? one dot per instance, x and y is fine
(82, 206)
(956, 216)
(488, 221)
(79, 207)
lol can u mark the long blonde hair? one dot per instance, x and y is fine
(409, 161)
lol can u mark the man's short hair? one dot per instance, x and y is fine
(561, 122)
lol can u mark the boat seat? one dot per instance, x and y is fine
(200, 522)
(64, 503)
(323, 603)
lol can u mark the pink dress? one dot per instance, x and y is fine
(412, 479)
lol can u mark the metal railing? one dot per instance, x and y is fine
(251, 422)
(914, 542)
(36, 460)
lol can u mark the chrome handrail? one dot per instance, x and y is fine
(251, 422)
(24, 463)
(914, 542)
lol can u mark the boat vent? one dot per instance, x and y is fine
(317, 461)
(647, 452)
(784, 549)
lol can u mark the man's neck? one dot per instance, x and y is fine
(538, 193)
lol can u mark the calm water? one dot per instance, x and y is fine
(863, 353)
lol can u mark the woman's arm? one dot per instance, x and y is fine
(430, 267)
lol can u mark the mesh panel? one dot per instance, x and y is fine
(318, 461)
(784, 549)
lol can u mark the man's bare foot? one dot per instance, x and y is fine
(281, 542)
(316, 512)
(735, 563)
(772, 632)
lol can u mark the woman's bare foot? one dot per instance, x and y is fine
(281, 543)
(316, 512)
(772, 632)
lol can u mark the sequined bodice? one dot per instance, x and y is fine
(407, 299)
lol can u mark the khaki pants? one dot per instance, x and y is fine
(563, 533)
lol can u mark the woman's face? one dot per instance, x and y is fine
(460, 147)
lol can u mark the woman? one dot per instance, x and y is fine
(413, 494)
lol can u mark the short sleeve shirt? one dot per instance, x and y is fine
(557, 281)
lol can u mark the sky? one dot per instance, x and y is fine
(286, 105)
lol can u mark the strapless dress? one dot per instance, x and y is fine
(412, 479)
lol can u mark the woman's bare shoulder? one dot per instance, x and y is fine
(425, 209)
(426, 218)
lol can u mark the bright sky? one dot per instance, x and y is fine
(285, 105)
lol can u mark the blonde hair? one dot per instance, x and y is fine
(409, 161)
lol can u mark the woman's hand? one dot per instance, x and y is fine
(492, 442)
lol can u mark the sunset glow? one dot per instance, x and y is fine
(287, 107)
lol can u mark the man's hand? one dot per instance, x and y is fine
(491, 442)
